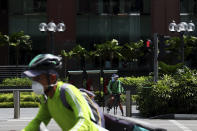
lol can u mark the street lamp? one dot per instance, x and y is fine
(52, 27)
(181, 28)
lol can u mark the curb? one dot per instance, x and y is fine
(176, 116)
(185, 116)
(141, 123)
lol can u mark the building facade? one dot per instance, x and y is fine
(90, 22)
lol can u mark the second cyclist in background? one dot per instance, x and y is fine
(115, 89)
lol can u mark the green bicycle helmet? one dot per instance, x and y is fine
(43, 63)
(46, 62)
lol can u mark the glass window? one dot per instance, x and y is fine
(188, 6)
(25, 15)
(83, 6)
(27, 6)
(134, 6)
(39, 5)
(110, 6)
(106, 5)
(34, 6)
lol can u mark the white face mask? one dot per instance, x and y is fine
(112, 79)
(37, 88)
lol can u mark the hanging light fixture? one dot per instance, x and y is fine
(172, 26)
(51, 26)
(191, 26)
(61, 27)
(42, 27)
(183, 26)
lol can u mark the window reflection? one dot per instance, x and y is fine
(109, 6)
(106, 5)
(20, 7)
(83, 6)
(188, 6)
(39, 5)
(115, 6)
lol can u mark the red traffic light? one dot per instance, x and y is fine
(148, 43)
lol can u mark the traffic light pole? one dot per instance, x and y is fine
(155, 57)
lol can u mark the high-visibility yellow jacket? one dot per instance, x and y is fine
(68, 120)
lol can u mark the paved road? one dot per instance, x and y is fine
(7, 123)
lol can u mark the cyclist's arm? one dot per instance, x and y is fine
(109, 87)
(80, 109)
(43, 115)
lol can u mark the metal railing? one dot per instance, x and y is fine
(16, 96)
(10, 71)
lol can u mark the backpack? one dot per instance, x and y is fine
(97, 116)
(104, 120)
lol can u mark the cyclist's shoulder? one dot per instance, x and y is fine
(69, 88)
(65, 85)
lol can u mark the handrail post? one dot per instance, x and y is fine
(16, 94)
(128, 103)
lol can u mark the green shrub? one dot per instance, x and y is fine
(171, 94)
(130, 83)
(6, 105)
(25, 99)
(184, 95)
(136, 82)
(6, 97)
(29, 104)
(32, 98)
(22, 104)
(16, 82)
(3, 98)
(27, 93)
(154, 100)
(168, 69)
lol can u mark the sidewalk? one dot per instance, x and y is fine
(29, 113)
(8, 123)
(176, 116)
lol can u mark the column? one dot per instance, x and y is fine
(162, 13)
(63, 11)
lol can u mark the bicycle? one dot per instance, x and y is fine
(115, 98)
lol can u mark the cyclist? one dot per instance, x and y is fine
(115, 90)
(43, 73)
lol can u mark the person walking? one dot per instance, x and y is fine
(43, 71)
(115, 89)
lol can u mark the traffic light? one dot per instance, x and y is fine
(148, 43)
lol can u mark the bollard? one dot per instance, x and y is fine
(16, 104)
(128, 103)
